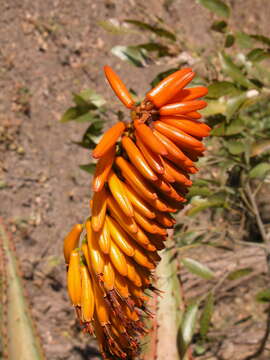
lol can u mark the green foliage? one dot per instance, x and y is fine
(187, 329)
(18, 331)
(263, 296)
(216, 6)
(206, 315)
(89, 107)
(198, 268)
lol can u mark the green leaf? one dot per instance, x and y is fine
(206, 315)
(216, 6)
(233, 71)
(155, 29)
(70, 114)
(244, 40)
(261, 38)
(229, 41)
(263, 296)
(257, 55)
(199, 349)
(92, 135)
(221, 88)
(219, 26)
(197, 268)
(237, 274)
(234, 104)
(90, 168)
(87, 117)
(218, 130)
(199, 190)
(188, 323)
(113, 27)
(22, 341)
(260, 170)
(235, 127)
(235, 147)
(214, 107)
(133, 54)
(216, 200)
(91, 97)
(162, 50)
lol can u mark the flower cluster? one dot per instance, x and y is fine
(142, 176)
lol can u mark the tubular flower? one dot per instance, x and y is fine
(142, 175)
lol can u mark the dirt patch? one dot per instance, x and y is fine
(48, 50)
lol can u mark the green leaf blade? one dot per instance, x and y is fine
(198, 268)
(260, 170)
(216, 6)
(206, 315)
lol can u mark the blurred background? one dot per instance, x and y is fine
(51, 49)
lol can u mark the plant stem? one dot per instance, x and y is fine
(256, 211)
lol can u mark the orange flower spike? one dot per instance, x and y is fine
(118, 87)
(137, 292)
(160, 205)
(135, 179)
(150, 226)
(165, 219)
(173, 150)
(108, 275)
(158, 242)
(119, 194)
(99, 209)
(177, 174)
(132, 274)
(118, 259)
(162, 185)
(142, 259)
(173, 195)
(167, 176)
(145, 223)
(190, 94)
(101, 307)
(108, 140)
(138, 203)
(154, 160)
(104, 240)
(154, 256)
(71, 241)
(169, 87)
(103, 168)
(137, 159)
(87, 298)
(74, 281)
(118, 214)
(149, 139)
(194, 115)
(96, 256)
(85, 251)
(191, 127)
(182, 107)
(120, 238)
(121, 286)
(178, 136)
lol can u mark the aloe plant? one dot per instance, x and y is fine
(19, 337)
(165, 338)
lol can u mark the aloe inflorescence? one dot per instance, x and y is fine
(142, 176)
